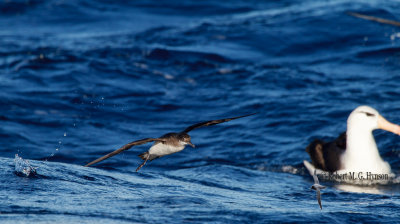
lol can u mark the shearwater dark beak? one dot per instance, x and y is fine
(191, 144)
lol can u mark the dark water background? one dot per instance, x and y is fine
(79, 79)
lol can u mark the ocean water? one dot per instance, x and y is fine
(81, 78)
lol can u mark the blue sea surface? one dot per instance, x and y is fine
(80, 79)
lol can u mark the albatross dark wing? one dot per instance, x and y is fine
(326, 155)
(125, 147)
(213, 122)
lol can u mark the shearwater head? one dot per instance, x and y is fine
(184, 139)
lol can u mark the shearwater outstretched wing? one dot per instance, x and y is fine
(212, 122)
(123, 148)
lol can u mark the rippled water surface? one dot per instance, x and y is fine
(79, 79)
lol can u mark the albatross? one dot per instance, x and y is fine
(167, 144)
(354, 150)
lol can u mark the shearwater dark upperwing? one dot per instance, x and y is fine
(125, 147)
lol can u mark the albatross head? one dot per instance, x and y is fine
(366, 118)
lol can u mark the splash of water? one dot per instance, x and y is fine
(23, 168)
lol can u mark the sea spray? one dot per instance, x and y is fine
(23, 168)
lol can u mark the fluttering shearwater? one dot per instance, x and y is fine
(317, 187)
(166, 144)
(355, 150)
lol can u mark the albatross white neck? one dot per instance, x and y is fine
(362, 153)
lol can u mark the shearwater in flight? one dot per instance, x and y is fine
(167, 144)
(317, 187)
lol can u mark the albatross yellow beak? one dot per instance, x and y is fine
(387, 126)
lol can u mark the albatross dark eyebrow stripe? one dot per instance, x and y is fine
(368, 114)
